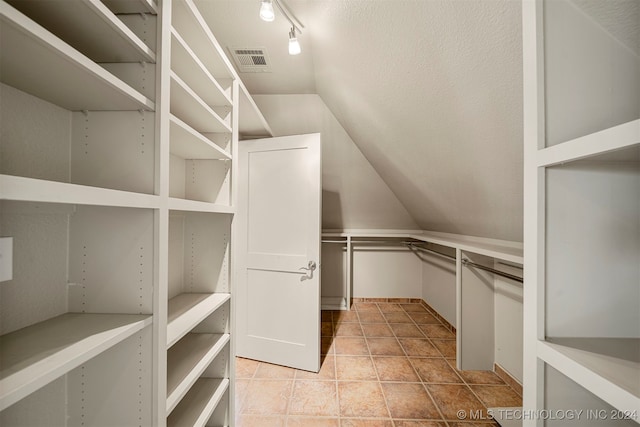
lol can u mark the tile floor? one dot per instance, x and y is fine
(384, 365)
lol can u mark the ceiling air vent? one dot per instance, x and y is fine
(251, 60)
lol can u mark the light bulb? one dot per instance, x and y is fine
(294, 45)
(266, 11)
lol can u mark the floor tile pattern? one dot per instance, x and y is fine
(384, 364)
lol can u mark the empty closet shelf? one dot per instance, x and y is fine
(32, 357)
(187, 360)
(198, 404)
(188, 309)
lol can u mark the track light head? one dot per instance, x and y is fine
(266, 11)
(294, 45)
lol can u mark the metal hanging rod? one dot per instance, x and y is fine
(492, 270)
(344, 242)
(468, 263)
(412, 245)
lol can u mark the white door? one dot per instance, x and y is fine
(278, 231)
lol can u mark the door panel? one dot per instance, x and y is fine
(278, 229)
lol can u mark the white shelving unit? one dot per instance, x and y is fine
(116, 186)
(582, 210)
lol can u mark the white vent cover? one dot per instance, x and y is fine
(251, 60)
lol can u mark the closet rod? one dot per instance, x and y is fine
(492, 270)
(420, 248)
(344, 242)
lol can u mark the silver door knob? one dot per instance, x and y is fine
(311, 267)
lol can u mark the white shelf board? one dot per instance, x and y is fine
(90, 27)
(188, 143)
(188, 21)
(607, 367)
(618, 137)
(190, 108)
(187, 360)
(502, 250)
(35, 61)
(190, 68)
(185, 205)
(189, 309)
(38, 190)
(132, 6)
(32, 357)
(252, 123)
(197, 406)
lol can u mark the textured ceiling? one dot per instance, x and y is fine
(429, 90)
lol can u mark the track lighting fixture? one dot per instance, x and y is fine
(266, 11)
(294, 45)
(267, 14)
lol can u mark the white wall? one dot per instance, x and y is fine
(353, 194)
(439, 283)
(386, 272)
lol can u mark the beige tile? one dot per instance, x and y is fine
(419, 347)
(371, 317)
(384, 347)
(446, 347)
(351, 346)
(364, 422)
(422, 318)
(437, 331)
(260, 421)
(366, 306)
(355, 368)
(497, 395)
(417, 308)
(345, 316)
(452, 398)
(377, 330)
(267, 397)
(327, 345)
(268, 370)
(395, 369)
(326, 329)
(480, 377)
(423, 423)
(388, 307)
(312, 422)
(406, 330)
(348, 330)
(314, 398)
(246, 368)
(361, 399)
(409, 400)
(397, 317)
(435, 370)
(242, 385)
(327, 371)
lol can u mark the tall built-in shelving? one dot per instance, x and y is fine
(119, 130)
(582, 214)
(77, 188)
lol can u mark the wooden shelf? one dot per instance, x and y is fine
(187, 360)
(197, 406)
(608, 367)
(90, 27)
(32, 357)
(38, 190)
(188, 143)
(131, 6)
(616, 138)
(189, 107)
(188, 21)
(190, 68)
(189, 309)
(185, 205)
(35, 61)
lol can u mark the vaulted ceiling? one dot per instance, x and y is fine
(429, 90)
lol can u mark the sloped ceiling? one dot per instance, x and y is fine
(429, 90)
